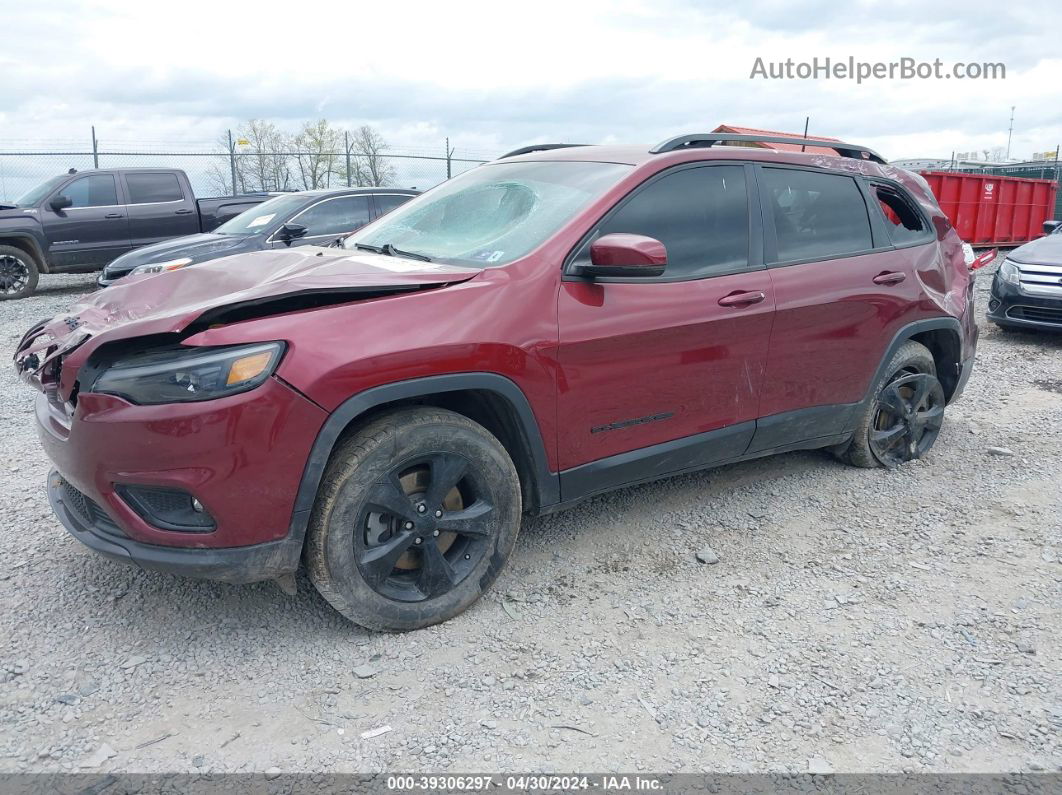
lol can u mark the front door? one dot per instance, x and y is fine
(662, 374)
(93, 230)
(328, 220)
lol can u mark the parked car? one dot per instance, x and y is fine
(78, 222)
(313, 217)
(1027, 287)
(533, 332)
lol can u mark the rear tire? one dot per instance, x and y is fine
(902, 419)
(393, 544)
(18, 273)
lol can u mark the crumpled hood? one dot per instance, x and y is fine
(254, 284)
(1042, 251)
(198, 247)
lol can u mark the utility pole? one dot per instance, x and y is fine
(807, 120)
(1010, 131)
(232, 162)
(449, 154)
(95, 149)
(346, 145)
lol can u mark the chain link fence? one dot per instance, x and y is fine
(23, 165)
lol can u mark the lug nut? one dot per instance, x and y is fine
(422, 508)
(438, 514)
(417, 540)
(409, 525)
(436, 533)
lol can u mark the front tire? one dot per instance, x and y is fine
(416, 516)
(902, 420)
(18, 273)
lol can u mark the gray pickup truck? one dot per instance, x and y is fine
(78, 222)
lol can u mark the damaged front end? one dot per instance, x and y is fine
(159, 312)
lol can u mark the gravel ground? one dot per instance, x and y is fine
(856, 620)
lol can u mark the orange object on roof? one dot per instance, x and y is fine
(795, 147)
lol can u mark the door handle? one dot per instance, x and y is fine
(113, 215)
(742, 299)
(185, 211)
(890, 277)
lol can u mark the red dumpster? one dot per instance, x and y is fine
(989, 210)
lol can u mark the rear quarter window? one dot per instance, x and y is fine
(905, 224)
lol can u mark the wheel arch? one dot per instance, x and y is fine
(943, 337)
(27, 243)
(492, 400)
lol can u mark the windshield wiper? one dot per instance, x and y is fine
(391, 251)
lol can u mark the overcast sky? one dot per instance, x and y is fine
(496, 75)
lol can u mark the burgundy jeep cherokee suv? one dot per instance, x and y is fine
(552, 325)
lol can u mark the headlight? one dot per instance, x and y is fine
(182, 375)
(160, 267)
(1009, 272)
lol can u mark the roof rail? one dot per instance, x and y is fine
(709, 139)
(523, 150)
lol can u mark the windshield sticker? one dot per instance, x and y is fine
(261, 220)
(487, 256)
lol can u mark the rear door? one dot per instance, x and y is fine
(842, 290)
(328, 220)
(93, 230)
(664, 366)
(159, 207)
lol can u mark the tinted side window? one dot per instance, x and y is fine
(96, 190)
(335, 216)
(147, 188)
(388, 201)
(701, 215)
(816, 216)
(903, 221)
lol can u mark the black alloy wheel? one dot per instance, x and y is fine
(424, 527)
(908, 416)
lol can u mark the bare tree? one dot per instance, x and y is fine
(318, 148)
(369, 164)
(263, 163)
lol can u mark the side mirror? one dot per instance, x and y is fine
(60, 203)
(625, 255)
(1051, 226)
(290, 232)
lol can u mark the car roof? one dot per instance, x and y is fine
(640, 155)
(352, 190)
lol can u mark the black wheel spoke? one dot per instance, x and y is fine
(472, 521)
(922, 387)
(436, 575)
(389, 497)
(893, 401)
(446, 472)
(931, 418)
(889, 438)
(378, 562)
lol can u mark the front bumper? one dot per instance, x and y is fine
(253, 563)
(1009, 305)
(241, 457)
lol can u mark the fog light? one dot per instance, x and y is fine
(167, 509)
